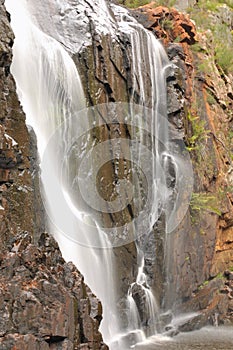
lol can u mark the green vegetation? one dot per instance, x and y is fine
(230, 144)
(206, 67)
(210, 98)
(220, 275)
(137, 3)
(223, 53)
(224, 57)
(133, 3)
(218, 34)
(168, 3)
(197, 136)
(177, 39)
(212, 5)
(227, 2)
(202, 232)
(205, 283)
(196, 47)
(199, 132)
(222, 193)
(166, 24)
(204, 202)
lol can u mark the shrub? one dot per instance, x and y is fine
(137, 3)
(204, 202)
(224, 57)
(199, 132)
(133, 3)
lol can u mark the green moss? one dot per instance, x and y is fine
(205, 283)
(220, 276)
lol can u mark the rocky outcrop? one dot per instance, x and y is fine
(213, 94)
(15, 178)
(167, 24)
(200, 104)
(45, 303)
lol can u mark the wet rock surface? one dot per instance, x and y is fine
(200, 249)
(15, 180)
(44, 301)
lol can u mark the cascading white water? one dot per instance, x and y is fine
(51, 93)
(48, 83)
(148, 52)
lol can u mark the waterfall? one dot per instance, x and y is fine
(50, 90)
(48, 83)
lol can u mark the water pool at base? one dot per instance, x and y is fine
(208, 338)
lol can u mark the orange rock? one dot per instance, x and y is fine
(168, 24)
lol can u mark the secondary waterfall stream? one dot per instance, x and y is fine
(51, 92)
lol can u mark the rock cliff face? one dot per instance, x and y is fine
(44, 301)
(37, 286)
(200, 106)
(201, 248)
(15, 177)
